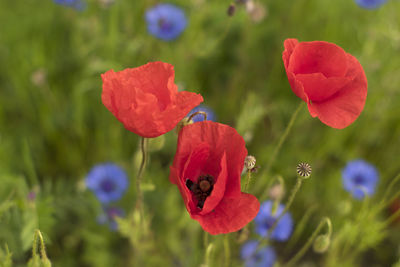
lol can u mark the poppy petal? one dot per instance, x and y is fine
(146, 99)
(318, 56)
(318, 88)
(196, 162)
(289, 45)
(345, 106)
(219, 189)
(230, 215)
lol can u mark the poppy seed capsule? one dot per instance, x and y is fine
(250, 162)
(304, 169)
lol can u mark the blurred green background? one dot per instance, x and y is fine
(54, 128)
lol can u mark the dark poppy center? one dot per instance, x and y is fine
(202, 189)
(107, 185)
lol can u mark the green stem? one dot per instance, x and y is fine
(227, 250)
(247, 180)
(310, 241)
(390, 186)
(139, 200)
(38, 235)
(289, 203)
(282, 139)
(208, 254)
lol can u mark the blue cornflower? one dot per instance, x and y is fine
(109, 215)
(265, 219)
(370, 4)
(77, 4)
(359, 178)
(264, 257)
(165, 21)
(108, 182)
(199, 117)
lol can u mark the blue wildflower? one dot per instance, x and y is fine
(77, 4)
(199, 117)
(370, 4)
(165, 21)
(359, 178)
(108, 182)
(109, 215)
(265, 219)
(264, 257)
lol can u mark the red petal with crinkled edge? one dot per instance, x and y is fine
(231, 215)
(296, 86)
(146, 100)
(318, 56)
(343, 108)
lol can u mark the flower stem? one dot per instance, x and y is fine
(310, 241)
(197, 113)
(139, 200)
(390, 186)
(247, 180)
(282, 139)
(227, 250)
(292, 195)
(38, 236)
(207, 255)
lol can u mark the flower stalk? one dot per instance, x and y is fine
(139, 178)
(282, 139)
(325, 221)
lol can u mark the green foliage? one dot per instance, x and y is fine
(5, 257)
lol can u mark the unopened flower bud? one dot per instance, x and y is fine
(231, 10)
(321, 243)
(250, 162)
(276, 192)
(304, 169)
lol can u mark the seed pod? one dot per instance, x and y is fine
(304, 169)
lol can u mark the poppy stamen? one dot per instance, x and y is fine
(202, 189)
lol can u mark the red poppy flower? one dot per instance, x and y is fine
(331, 81)
(146, 99)
(207, 168)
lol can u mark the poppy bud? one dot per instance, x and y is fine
(321, 243)
(276, 192)
(250, 162)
